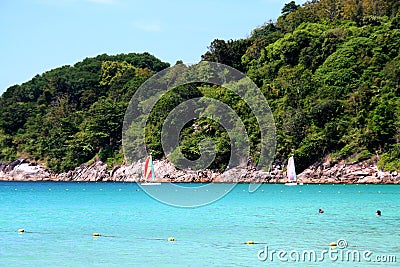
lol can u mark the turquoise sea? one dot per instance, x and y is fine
(60, 218)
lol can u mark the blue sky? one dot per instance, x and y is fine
(40, 35)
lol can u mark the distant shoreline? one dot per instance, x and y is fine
(132, 182)
(324, 173)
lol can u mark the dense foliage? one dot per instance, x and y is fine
(330, 70)
(73, 114)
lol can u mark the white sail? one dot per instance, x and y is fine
(291, 172)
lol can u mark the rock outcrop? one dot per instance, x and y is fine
(350, 173)
(23, 170)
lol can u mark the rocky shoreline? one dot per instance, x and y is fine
(321, 173)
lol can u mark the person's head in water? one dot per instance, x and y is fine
(378, 212)
(320, 211)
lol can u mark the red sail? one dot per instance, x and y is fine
(148, 172)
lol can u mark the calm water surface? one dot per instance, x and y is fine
(59, 219)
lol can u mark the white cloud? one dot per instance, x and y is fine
(148, 26)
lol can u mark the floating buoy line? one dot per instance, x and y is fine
(28, 232)
(172, 239)
(96, 234)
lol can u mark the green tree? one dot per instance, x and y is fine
(289, 7)
(229, 53)
(112, 70)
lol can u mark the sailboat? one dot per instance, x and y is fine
(149, 172)
(291, 172)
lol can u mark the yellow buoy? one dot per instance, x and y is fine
(171, 239)
(96, 234)
(21, 230)
(333, 244)
(250, 242)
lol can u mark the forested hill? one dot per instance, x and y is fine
(71, 114)
(330, 70)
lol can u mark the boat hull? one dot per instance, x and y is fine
(290, 184)
(150, 184)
